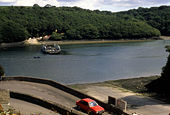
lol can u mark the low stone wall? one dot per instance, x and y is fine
(74, 92)
(46, 104)
(4, 96)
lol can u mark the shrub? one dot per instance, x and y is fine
(56, 36)
(1, 71)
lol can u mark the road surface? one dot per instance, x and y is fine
(38, 90)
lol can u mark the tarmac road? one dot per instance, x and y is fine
(38, 90)
(42, 91)
(26, 108)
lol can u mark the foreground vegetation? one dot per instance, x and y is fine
(161, 85)
(2, 72)
(18, 23)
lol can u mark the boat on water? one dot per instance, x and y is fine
(51, 49)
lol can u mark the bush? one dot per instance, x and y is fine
(12, 32)
(2, 72)
(56, 36)
(162, 84)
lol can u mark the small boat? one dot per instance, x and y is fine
(51, 49)
(36, 57)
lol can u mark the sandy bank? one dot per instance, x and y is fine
(165, 37)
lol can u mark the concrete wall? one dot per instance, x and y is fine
(4, 96)
(62, 87)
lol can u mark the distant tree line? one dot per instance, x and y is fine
(157, 17)
(17, 23)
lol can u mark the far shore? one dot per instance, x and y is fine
(92, 41)
(65, 42)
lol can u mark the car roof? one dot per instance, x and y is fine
(88, 100)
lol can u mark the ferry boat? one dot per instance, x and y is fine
(51, 49)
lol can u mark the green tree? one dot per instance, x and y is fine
(2, 72)
(56, 36)
(13, 32)
(89, 32)
(73, 34)
(162, 84)
(36, 6)
(77, 23)
(156, 17)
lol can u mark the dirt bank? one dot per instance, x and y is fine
(165, 37)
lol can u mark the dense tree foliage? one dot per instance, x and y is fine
(157, 17)
(1, 71)
(56, 36)
(162, 84)
(73, 23)
(12, 32)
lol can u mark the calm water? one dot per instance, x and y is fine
(87, 63)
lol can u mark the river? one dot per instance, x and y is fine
(87, 62)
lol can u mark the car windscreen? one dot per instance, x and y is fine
(92, 104)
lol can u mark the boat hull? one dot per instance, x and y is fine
(53, 50)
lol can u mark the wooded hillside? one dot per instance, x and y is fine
(157, 17)
(70, 23)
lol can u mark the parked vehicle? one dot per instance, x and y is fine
(90, 106)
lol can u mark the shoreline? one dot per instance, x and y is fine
(118, 82)
(68, 42)
(91, 41)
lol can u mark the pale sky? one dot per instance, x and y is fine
(107, 5)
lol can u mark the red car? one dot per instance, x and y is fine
(90, 106)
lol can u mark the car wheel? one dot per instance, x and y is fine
(90, 113)
(78, 107)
